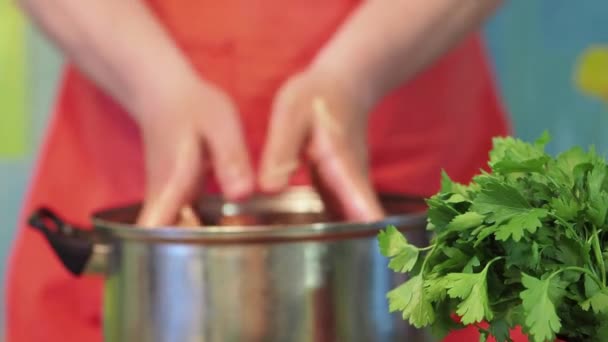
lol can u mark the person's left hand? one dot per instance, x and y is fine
(323, 118)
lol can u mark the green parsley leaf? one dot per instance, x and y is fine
(483, 335)
(449, 186)
(517, 225)
(440, 213)
(472, 288)
(410, 299)
(542, 141)
(499, 199)
(499, 328)
(455, 259)
(572, 252)
(513, 155)
(597, 297)
(542, 319)
(391, 241)
(465, 221)
(436, 288)
(566, 162)
(522, 255)
(393, 244)
(473, 262)
(509, 209)
(601, 330)
(566, 207)
(598, 302)
(598, 198)
(443, 323)
(544, 217)
(404, 261)
(566, 168)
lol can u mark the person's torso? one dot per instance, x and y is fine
(443, 118)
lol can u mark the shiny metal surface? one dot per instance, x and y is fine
(99, 260)
(297, 214)
(316, 283)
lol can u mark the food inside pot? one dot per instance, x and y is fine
(188, 217)
(265, 219)
(295, 207)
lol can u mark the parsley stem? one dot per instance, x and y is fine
(564, 222)
(597, 250)
(579, 269)
(454, 210)
(426, 258)
(491, 262)
(423, 249)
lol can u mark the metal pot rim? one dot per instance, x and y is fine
(297, 200)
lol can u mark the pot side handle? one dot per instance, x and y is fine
(73, 246)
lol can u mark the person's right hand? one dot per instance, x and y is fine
(185, 131)
(186, 123)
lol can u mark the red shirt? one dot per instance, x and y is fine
(444, 118)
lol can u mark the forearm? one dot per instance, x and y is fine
(117, 43)
(386, 42)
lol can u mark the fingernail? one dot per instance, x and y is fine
(238, 188)
(149, 218)
(276, 178)
(188, 218)
(155, 210)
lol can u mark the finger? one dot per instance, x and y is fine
(345, 186)
(188, 218)
(174, 172)
(289, 126)
(340, 169)
(229, 157)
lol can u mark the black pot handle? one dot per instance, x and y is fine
(73, 246)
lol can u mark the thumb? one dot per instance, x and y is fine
(288, 130)
(174, 171)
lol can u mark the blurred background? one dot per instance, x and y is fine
(550, 59)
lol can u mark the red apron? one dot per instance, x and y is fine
(445, 118)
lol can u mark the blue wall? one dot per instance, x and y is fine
(535, 46)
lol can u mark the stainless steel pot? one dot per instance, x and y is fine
(285, 278)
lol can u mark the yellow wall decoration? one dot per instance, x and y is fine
(14, 119)
(591, 74)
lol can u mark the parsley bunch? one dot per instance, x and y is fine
(524, 245)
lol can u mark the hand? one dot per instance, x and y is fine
(323, 117)
(185, 131)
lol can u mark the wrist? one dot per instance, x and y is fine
(156, 92)
(359, 80)
(352, 79)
